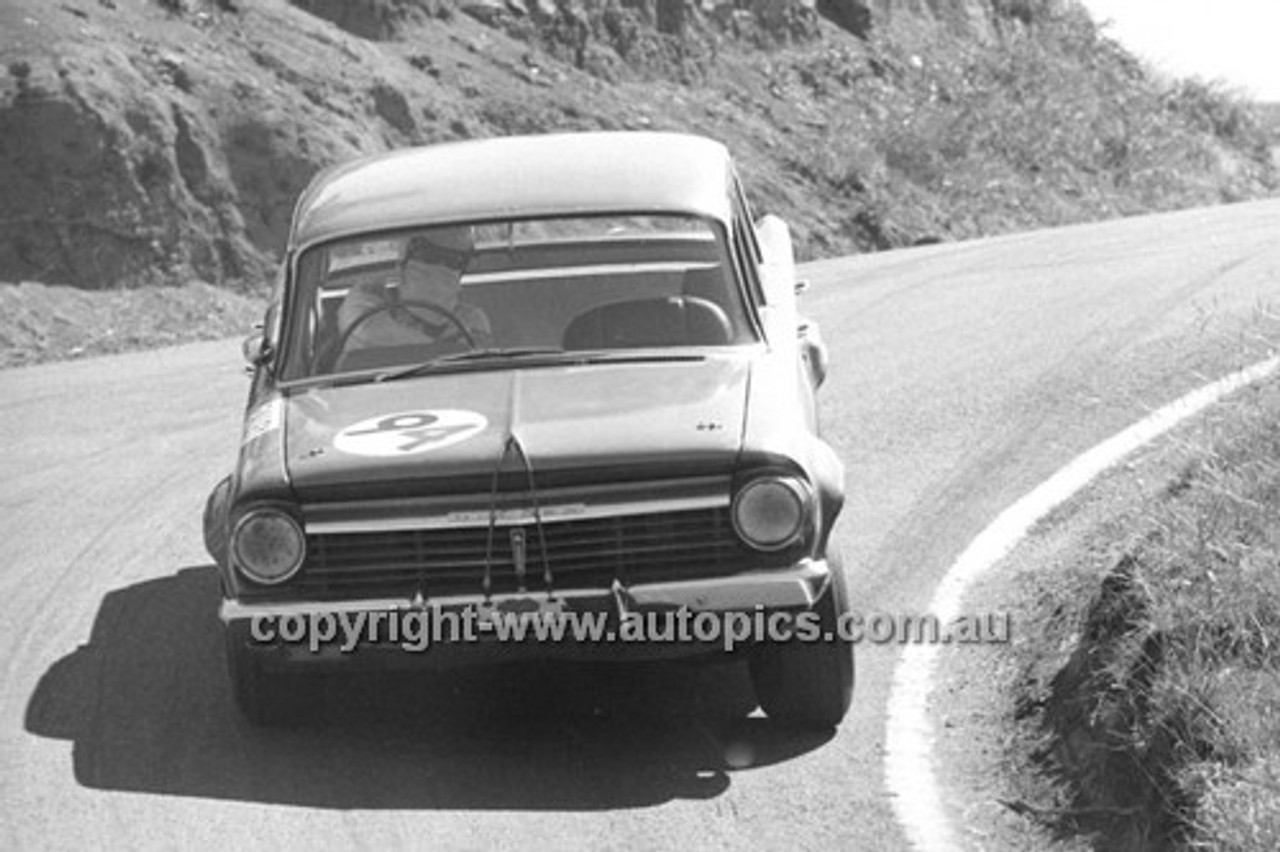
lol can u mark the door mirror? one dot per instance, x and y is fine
(813, 349)
(256, 351)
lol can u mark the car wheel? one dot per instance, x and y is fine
(809, 684)
(262, 697)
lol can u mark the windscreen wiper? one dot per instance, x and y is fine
(634, 356)
(482, 356)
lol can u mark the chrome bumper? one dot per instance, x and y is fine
(797, 587)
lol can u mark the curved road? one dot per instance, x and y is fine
(962, 376)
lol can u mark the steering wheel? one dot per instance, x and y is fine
(449, 315)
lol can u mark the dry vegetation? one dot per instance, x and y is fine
(1153, 696)
(1057, 127)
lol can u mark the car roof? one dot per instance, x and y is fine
(504, 177)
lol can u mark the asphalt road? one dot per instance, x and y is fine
(962, 376)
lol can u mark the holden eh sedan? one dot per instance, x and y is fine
(560, 373)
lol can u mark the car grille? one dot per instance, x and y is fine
(581, 554)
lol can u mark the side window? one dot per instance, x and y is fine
(295, 311)
(271, 325)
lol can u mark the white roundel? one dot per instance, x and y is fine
(408, 432)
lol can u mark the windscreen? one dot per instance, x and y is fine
(381, 300)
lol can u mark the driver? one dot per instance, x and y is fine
(430, 273)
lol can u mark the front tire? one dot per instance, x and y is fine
(809, 684)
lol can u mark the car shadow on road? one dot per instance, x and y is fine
(147, 706)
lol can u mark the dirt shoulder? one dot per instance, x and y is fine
(41, 323)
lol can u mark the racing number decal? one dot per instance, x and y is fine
(409, 432)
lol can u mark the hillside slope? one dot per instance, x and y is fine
(159, 141)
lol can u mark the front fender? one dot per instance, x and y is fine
(217, 523)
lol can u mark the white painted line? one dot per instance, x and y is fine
(909, 775)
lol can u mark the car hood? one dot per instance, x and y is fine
(680, 416)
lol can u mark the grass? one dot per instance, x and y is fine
(1216, 595)
(1055, 126)
(1161, 719)
(1267, 115)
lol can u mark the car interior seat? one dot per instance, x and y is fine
(705, 282)
(637, 323)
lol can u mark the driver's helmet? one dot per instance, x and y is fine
(450, 247)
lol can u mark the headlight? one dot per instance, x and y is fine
(770, 513)
(268, 545)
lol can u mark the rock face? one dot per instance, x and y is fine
(105, 182)
(376, 20)
(981, 18)
(371, 19)
(851, 15)
(135, 158)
